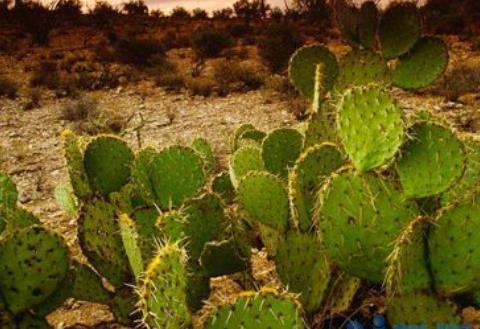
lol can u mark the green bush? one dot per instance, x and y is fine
(276, 44)
(209, 43)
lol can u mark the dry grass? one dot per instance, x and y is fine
(461, 80)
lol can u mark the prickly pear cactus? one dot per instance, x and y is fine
(307, 176)
(75, 165)
(66, 200)
(33, 262)
(265, 199)
(361, 67)
(431, 161)
(163, 291)
(8, 192)
(107, 161)
(177, 174)
(358, 216)
(296, 254)
(100, 239)
(222, 258)
(423, 65)
(421, 309)
(171, 225)
(223, 187)
(368, 24)
(452, 242)
(31, 322)
(341, 293)
(202, 147)
(347, 18)
(399, 29)
(141, 174)
(253, 136)
(280, 149)
(87, 285)
(244, 160)
(303, 65)
(129, 235)
(257, 310)
(471, 176)
(238, 133)
(370, 125)
(145, 220)
(321, 126)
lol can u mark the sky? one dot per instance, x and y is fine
(167, 5)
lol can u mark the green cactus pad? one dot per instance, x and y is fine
(244, 160)
(295, 255)
(177, 175)
(399, 29)
(347, 18)
(87, 285)
(202, 147)
(124, 306)
(198, 287)
(257, 310)
(452, 243)
(163, 300)
(141, 174)
(306, 178)
(99, 235)
(407, 270)
(223, 187)
(75, 165)
(321, 126)
(341, 293)
(58, 297)
(265, 199)
(108, 161)
(421, 309)
(171, 226)
(19, 218)
(31, 322)
(431, 161)
(471, 176)
(222, 258)
(368, 24)
(27, 278)
(271, 239)
(238, 133)
(205, 220)
(370, 126)
(8, 191)
(145, 224)
(254, 135)
(423, 65)
(360, 68)
(358, 216)
(280, 149)
(130, 238)
(303, 65)
(66, 200)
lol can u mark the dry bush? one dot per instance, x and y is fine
(172, 82)
(233, 76)
(33, 101)
(201, 86)
(78, 110)
(461, 80)
(46, 75)
(209, 43)
(8, 88)
(136, 51)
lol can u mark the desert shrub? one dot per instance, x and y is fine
(180, 13)
(281, 85)
(201, 86)
(103, 14)
(35, 19)
(67, 10)
(208, 43)
(8, 88)
(199, 13)
(299, 107)
(136, 51)
(277, 43)
(135, 8)
(250, 77)
(33, 100)
(46, 75)
(171, 82)
(239, 30)
(276, 14)
(222, 14)
(461, 80)
(80, 109)
(173, 40)
(233, 76)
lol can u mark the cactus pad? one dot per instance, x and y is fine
(129, 235)
(347, 19)
(244, 160)
(321, 126)
(202, 147)
(431, 161)
(8, 192)
(223, 187)
(358, 217)
(222, 258)
(145, 224)
(261, 310)
(75, 165)
(452, 243)
(177, 175)
(205, 220)
(141, 174)
(107, 162)
(66, 200)
(238, 133)
(361, 67)
(370, 126)
(28, 278)
(421, 309)
(303, 65)
(280, 149)
(471, 175)
(306, 178)
(163, 291)
(341, 293)
(368, 24)
(87, 285)
(296, 254)
(253, 135)
(424, 64)
(399, 29)
(171, 226)
(100, 239)
(264, 197)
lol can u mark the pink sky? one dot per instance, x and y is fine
(167, 5)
